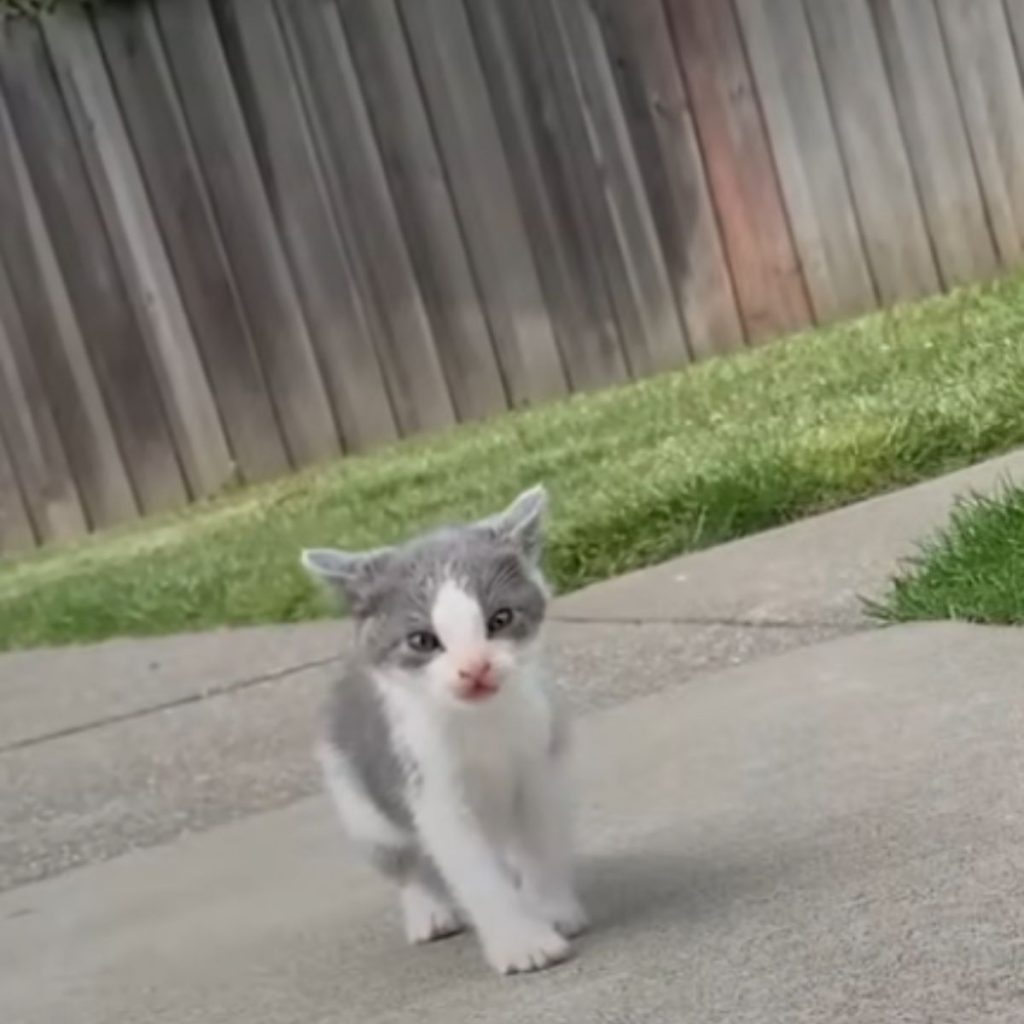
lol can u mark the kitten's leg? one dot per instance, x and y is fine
(514, 939)
(542, 853)
(427, 908)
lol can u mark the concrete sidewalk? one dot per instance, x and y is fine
(135, 742)
(833, 834)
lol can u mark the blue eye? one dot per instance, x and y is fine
(423, 641)
(500, 620)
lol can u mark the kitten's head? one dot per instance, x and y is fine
(453, 614)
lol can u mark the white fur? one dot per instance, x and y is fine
(427, 916)
(491, 808)
(363, 821)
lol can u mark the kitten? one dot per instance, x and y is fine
(446, 749)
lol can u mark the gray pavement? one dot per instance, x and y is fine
(831, 834)
(134, 742)
(187, 759)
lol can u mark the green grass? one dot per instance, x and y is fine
(972, 571)
(637, 474)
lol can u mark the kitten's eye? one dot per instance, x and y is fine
(499, 620)
(423, 641)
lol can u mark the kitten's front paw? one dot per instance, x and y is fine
(568, 917)
(427, 918)
(525, 945)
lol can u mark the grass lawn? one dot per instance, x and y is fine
(973, 570)
(636, 474)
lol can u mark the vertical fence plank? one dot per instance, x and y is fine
(204, 85)
(811, 173)
(988, 78)
(662, 132)
(26, 419)
(743, 179)
(150, 287)
(424, 387)
(94, 283)
(570, 272)
(188, 229)
(415, 180)
(336, 315)
(883, 186)
(424, 305)
(662, 345)
(936, 139)
(16, 533)
(47, 318)
(456, 98)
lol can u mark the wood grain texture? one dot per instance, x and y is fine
(657, 111)
(811, 172)
(455, 95)
(419, 378)
(936, 140)
(149, 281)
(16, 530)
(895, 236)
(988, 78)
(184, 212)
(37, 454)
(95, 286)
(570, 270)
(203, 81)
(765, 268)
(45, 315)
(400, 186)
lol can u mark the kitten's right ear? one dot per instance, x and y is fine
(351, 574)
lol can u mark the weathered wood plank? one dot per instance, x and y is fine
(456, 98)
(336, 315)
(988, 79)
(811, 174)
(662, 344)
(404, 169)
(424, 388)
(48, 489)
(875, 157)
(570, 272)
(661, 126)
(142, 260)
(188, 227)
(89, 268)
(47, 318)
(936, 139)
(744, 183)
(16, 532)
(261, 274)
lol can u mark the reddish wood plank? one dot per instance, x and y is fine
(661, 126)
(744, 183)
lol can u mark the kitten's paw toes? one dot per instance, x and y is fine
(525, 946)
(428, 919)
(569, 919)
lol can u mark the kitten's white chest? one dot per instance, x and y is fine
(479, 758)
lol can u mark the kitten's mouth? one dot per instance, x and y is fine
(478, 691)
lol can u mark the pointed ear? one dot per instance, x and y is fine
(522, 522)
(350, 574)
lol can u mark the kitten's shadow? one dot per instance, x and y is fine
(650, 884)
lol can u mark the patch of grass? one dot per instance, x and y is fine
(973, 570)
(637, 474)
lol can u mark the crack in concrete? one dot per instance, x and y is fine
(671, 620)
(217, 690)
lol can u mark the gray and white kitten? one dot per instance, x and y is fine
(445, 751)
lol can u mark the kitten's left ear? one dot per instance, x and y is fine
(352, 575)
(522, 523)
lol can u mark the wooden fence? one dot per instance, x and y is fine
(237, 236)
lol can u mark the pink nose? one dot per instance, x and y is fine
(476, 678)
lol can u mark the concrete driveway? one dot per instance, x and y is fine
(832, 834)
